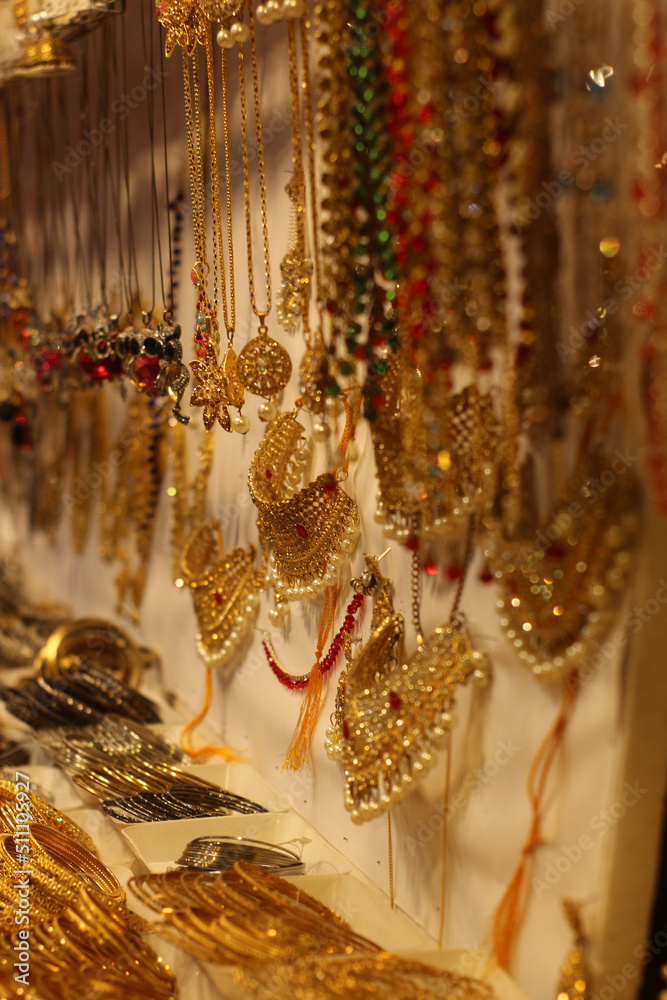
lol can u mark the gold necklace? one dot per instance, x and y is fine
(264, 366)
(295, 268)
(216, 386)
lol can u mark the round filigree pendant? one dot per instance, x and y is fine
(264, 366)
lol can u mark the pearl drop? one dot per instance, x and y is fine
(224, 39)
(263, 15)
(292, 9)
(320, 431)
(267, 411)
(241, 424)
(240, 32)
(379, 515)
(352, 451)
(273, 9)
(347, 545)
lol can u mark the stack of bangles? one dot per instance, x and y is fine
(179, 801)
(67, 854)
(219, 854)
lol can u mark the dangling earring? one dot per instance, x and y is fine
(225, 592)
(390, 714)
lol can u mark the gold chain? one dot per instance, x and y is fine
(260, 171)
(299, 178)
(195, 164)
(218, 264)
(310, 154)
(228, 313)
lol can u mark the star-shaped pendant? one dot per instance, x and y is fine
(211, 390)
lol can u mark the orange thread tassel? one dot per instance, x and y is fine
(510, 912)
(212, 748)
(312, 704)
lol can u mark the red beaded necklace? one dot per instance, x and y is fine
(328, 662)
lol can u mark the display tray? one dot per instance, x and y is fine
(159, 845)
(242, 779)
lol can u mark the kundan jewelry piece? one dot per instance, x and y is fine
(311, 530)
(391, 714)
(225, 592)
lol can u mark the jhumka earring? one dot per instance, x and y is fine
(225, 592)
(392, 714)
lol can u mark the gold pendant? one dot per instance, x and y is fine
(264, 366)
(211, 390)
(225, 593)
(235, 393)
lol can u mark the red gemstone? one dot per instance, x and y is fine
(486, 576)
(302, 530)
(431, 568)
(269, 474)
(329, 485)
(454, 572)
(346, 730)
(218, 597)
(147, 371)
(395, 699)
(109, 368)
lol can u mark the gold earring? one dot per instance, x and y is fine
(225, 592)
(390, 714)
(310, 530)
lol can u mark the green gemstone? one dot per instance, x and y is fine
(346, 368)
(332, 389)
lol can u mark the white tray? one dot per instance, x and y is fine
(159, 845)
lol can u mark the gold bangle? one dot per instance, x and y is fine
(74, 638)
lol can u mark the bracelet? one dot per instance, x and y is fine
(190, 794)
(219, 853)
(77, 859)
